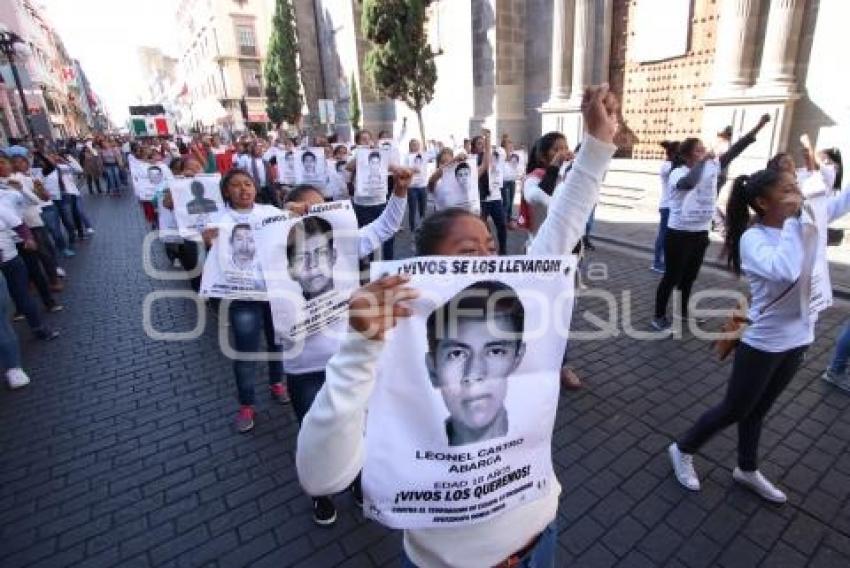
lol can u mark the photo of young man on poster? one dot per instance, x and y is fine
(475, 343)
(311, 256)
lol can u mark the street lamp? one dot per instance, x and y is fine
(14, 47)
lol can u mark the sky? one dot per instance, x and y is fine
(105, 35)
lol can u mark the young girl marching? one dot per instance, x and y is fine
(331, 442)
(777, 251)
(693, 196)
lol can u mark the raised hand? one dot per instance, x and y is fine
(600, 109)
(378, 306)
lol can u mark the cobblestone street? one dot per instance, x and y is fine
(122, 451)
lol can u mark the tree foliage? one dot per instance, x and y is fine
(283, 86)
(400, 64)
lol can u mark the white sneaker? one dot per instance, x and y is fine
(683, 467)
(17, 378)
(759, 484)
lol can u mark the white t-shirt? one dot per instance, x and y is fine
(692, 209)
(8, 221)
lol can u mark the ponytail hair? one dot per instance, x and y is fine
(834, 155)
(742, 198)
(671, 148)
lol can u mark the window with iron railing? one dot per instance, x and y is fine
(247, 40)
(251, 79)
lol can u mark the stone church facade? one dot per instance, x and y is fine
(681, 68)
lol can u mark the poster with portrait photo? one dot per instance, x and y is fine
(286, 166)
(311, 267)
(372, 173)
(458, 187)
(515, 165)
(148, 179)
(197, 202)
(466, 435)
(497, 172)
(389, 147)
(311, 167)
(418, 162)
(232, 269)
(338, 178)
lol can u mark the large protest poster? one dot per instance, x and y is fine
(286, 167)
(459, 425)
(697, 206)
(311, 266)
(389, 147)
(372, 172)
(418, 162)
(338, 178)
(816, 187)
(515, 164)
(458, 187)
(233, 269)
(148, 178)
(197, 202)
(310, 167)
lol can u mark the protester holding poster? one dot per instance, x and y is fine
(512, 171)
(490, 186)
(197, 201)
(305, 359)
(455, 187)
(417, 197)
(331, 446)
(779, 252)
(232, 272)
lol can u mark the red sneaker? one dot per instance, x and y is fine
(245, 419)
(279, 393)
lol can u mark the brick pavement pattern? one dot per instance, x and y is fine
(122, 451)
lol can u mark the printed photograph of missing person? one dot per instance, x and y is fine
(375, 178)
(155, 175)
(311, 256)
(243, 249)
(308, 161)
(475, 343)
(199, 203)
(462, 173)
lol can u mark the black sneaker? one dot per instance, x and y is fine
(324, 512)
(357, 492)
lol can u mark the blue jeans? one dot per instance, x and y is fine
(50, 216)
(249, 321)
(368, 213)
(303, 390)
(541, 556)
(63, 207)
(508, 191)
(588, 227)
(113, 177)
(495, 211)
(80, 219)
(18, 281)
(417, 198)
(842, 351)
(10, 353)
(658, 261)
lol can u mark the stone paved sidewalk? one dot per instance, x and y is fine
(122, 452)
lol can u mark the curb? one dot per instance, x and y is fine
(840, 292)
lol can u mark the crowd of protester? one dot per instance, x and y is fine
(766, 224)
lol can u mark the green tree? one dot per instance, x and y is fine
(354, 104)
(400, 64)
(283, 87)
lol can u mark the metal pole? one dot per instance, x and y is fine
(24, 108)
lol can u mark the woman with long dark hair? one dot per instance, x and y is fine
(331, 441)
(776, 252)
(692, 202)
(671, 149)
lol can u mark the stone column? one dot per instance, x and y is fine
(582, 48)
(602, 67)
(562, 39)
(781, 43)
(733, 60)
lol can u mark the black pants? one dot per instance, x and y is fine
(46, 253)
(758, 378)
(495, 211)
(36, 275)
(92, 180)
(683, 255)
(303, 390)
(189, 253)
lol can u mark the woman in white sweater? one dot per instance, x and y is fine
(331, 442)
(778, 255)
